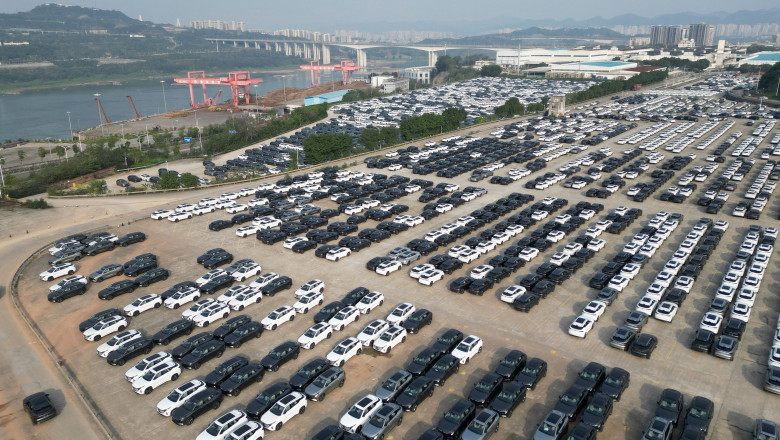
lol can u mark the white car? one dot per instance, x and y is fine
(59, 270)
(580, 326)
(309, 287)
(338, 253)
(263, 279)
(673, 266)
(630, 270)
(178, 396)
(360, 413)
(511, 293)
(182, 297)
(513, 230)
(278, 317)
(71, 279)
(528, 254)
(684, 283)
(116, 341)
(161, 214)
(468, 256)
(308, 301)
(196, 308)
(370, 302)
(664, 278)
(344, 317)
(430, 276)
(646, 305)
(390, 338)
(211, 314)
(208, 202)
(480, 271)
(147, 364)
(416, 271)
(387, 267)
(158, 375)
(655, 291)
(178, 216)
(267, 223)
(726, 292)
(292, 241)
(572, 248)
(741, 310)
(711, 321)
(618, 282)
(747, 295)
(666, 311)
(245, 298)
(372, 331)
(315, 334)
(245, 272)
(105, 327)
(200, 210)
(400, 313)
(224, 426)
(62, 245)
(467, 348)
(559, 258)
(142, 304)
(236, 208)
(344, 351)
(593, 310)
(246, 231)
(210, 275)
(283, 410)
(500, 238)
(232, 292)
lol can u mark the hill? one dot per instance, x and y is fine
(54, 17)
(515, 37)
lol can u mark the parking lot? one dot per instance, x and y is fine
(735, 387)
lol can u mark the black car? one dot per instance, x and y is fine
(271, 236)
(417, 320)
(415, 393)
(116, 289)
(482, 285)
(643, 345)
(197, 405)
(543, 288)
(247, 375)
(700, 413)
(237, 337)
(670, 406)
(276, 285)
(137, 259)
(424, 361)
(210, 253)
(448, 340)
(178, 287)
(218, 260)
(534, 370)
(280, 355)
(304, 246)
(99, 247)
(172, 331)
(67, 291)
(217, 283)
(130, 350)
(511, 395)
(457, 418)
(600, 280)
(139, 267)
(615, 383)
(92, 320)
(203, 353)
(525, 302)
(582, 431)
(230, 325)
(219, 225)
(445, 367)
(371, 265)
(39, 407)
(266, 399)
(511, 364)
(734, 327)
(307, 373)
(190, 344)
(152, 276)
(330, 432)
(327, 311)
(450, 265)
(591, 376)
(131, 238)
(559, 275)
(460, 284)
(573, 401)
(225, 369)
(486, 389)
(354, 296)
(598, 410)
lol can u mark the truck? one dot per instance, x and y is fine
(637, 86)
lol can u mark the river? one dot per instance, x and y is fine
(40, 114)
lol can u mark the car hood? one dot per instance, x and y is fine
(477, 396)
(666, 414)
(213, 378)
(500, 406)
(504, 371)
(592, 419)
(609, 390)
(269, 361)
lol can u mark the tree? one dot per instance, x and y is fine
(511, 107)
(76, 149)
(169, 181)
(769, 80)
(60, 150)
(320, 148)
(491, 70)
(453, 116)
(42, 153)
(188, 180)
(445, 63)
(22, 154)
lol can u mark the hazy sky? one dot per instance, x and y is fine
(331, 15)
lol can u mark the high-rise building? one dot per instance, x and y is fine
(658, 35)
(667, 35)
(702, 34)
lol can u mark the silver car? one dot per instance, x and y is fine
(482, 427)
(323, 384)
(72, 253)
(393, 385)
(105, 272)
(383, 421)
(553, 427)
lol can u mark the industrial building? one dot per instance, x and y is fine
(761, 58)
(595, 70)
(418, 74)
(510, 59)
(329, 97)
(395, 85)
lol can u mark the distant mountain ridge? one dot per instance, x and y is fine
(512, 38)
(54, 17)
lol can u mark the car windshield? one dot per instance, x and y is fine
(114, 341)
(510, 362)
(483, 386)
(355, 412)
(653, 435)
(547, 428)
(174, 396)
(340, 349)
(149, 376)
(612, 381)
(594, 409)
(568, 400)
(399, 312)
(277, 409)
(669, 405)
(378, 421)
(699, 414)
(274, 315)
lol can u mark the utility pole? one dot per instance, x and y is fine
(165, 102)
(100, 117)
(70, 127)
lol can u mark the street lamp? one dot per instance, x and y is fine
(123, 130)
(70, 127)
(165, 102)
(284, 86)
(100, 117)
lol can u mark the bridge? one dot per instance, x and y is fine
(320, 51)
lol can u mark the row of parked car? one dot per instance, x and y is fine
(74, 247)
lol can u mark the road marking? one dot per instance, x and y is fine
(553, 352)
(452, 390)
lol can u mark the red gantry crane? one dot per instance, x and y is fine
(346, 67)
(239, 82)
